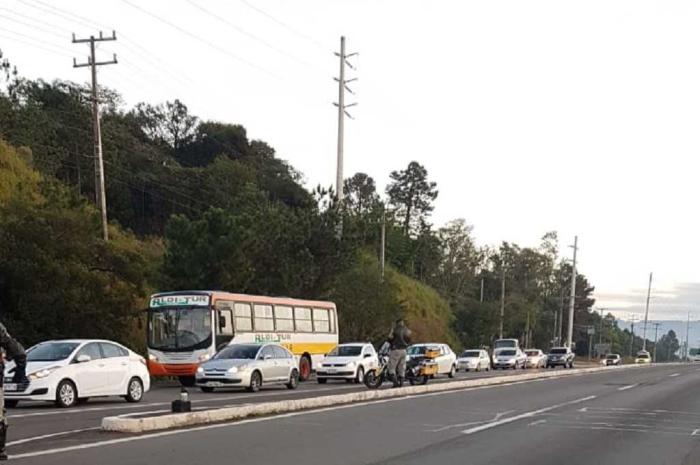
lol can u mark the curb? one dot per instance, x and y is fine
(178, 420)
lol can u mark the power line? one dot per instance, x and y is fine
(202, 40)
(38, 28)
(30, 44)
(56, 48)
(284, 25)
(66, 15)
(247, 34)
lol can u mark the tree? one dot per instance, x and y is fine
(667, 347)
(170, 123)
(412, 196)
(361, 196)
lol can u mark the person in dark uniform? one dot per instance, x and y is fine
(399, 338)
(14, 351)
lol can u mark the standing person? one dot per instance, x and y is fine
(14, 351)
(399, 339)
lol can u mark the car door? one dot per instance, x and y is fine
(443, 360)
(268, 368)
(89, 379)
(116, 368)
(369, 358)
(282, 365)
(484, 361)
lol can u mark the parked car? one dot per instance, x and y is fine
(535, 358)
(73, 370)
(348, 361)
(560, 356)
(446, 359)
(510, 358)
(250, 366)
(613, 359)
(643, 357)
(476, 360)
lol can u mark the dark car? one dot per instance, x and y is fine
(560, 356)
(613, 359)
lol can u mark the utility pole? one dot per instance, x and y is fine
(633, 320)
(503, 299)
(481, 294)
(572, 297)
(646, 316)
(554, 330)
(342, 113)
(383, 244)
(100, 195)
(687, 334)
(561, 316)
(656, 336)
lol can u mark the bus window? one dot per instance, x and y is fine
(244, 321)
(321, 320)
(225, 317)
(333, 320)
(264, 321)
(302, 319)
(284, 318)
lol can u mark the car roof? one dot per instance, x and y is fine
(79, 341)
(354, 344)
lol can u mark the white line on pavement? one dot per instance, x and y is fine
(538, 422)
(530, 414)
(674, 375)
(630, 386)
(52, 435)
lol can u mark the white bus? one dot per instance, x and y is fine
(187, 328)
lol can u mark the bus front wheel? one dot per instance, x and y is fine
(304, 368)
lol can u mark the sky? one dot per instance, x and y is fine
(578, 117)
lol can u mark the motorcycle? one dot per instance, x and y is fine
(419, 370)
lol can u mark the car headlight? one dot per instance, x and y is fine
(200, 370)
(350, 365)
(204, 357)
(43, 373)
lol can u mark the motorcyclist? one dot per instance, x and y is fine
(399, 340)
(14, 351)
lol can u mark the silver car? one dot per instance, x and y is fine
(250, 366)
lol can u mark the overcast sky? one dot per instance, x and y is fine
(579, 117)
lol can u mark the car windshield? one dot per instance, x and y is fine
(612, 357)
(179, 328)
(506, 353)
(532, 353)
(470, 354)
(345, 351)
(51, 351)
(557, 351)
(416, 350)
(238, 351)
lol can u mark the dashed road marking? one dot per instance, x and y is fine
(630, 386)
(674, 375)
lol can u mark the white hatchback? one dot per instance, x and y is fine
(476, 360)
(73, 370)
(348, 361)
(446, 359)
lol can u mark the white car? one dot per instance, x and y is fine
(476, 360)
(510, 358)
(249, 366)
(536, 358)
(73, 370)
(446, 359)
(348, 361)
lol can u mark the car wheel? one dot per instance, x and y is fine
(207, 389)
(293, 380)
(571, 365)
(66, 394)
(488, 367)
(134, 390)
(451, 374)
(255, 382)
(304, 368)
(11, 403)
(187, 381)
(321, 380)
(360, 377)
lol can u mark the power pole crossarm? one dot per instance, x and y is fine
(100, 195)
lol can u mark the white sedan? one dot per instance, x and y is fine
(446, 359)
(348, 361)
(536, 358)
(73, 370)
(476, 360)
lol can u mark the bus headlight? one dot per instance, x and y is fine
(152, 358)
(204, 357)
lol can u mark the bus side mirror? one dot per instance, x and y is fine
(222, 321)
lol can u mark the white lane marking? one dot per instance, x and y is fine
(538, 422)
(616, 428)
(530, 414)
(695, 432)
(674, 375)
(254, 420)
(630, 386)
(583, 409)
(52, 435)
(195, 401)
(462, 425)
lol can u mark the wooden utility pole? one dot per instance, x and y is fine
(100, 195)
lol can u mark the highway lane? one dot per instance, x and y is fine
(642, 416)
(42, 423)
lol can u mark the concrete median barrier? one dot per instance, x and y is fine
(179, 420)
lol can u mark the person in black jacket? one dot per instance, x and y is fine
(14, 351)
(399, 338)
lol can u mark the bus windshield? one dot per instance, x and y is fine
(179, 328)
(505, 343)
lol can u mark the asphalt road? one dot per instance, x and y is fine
(649, 415)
